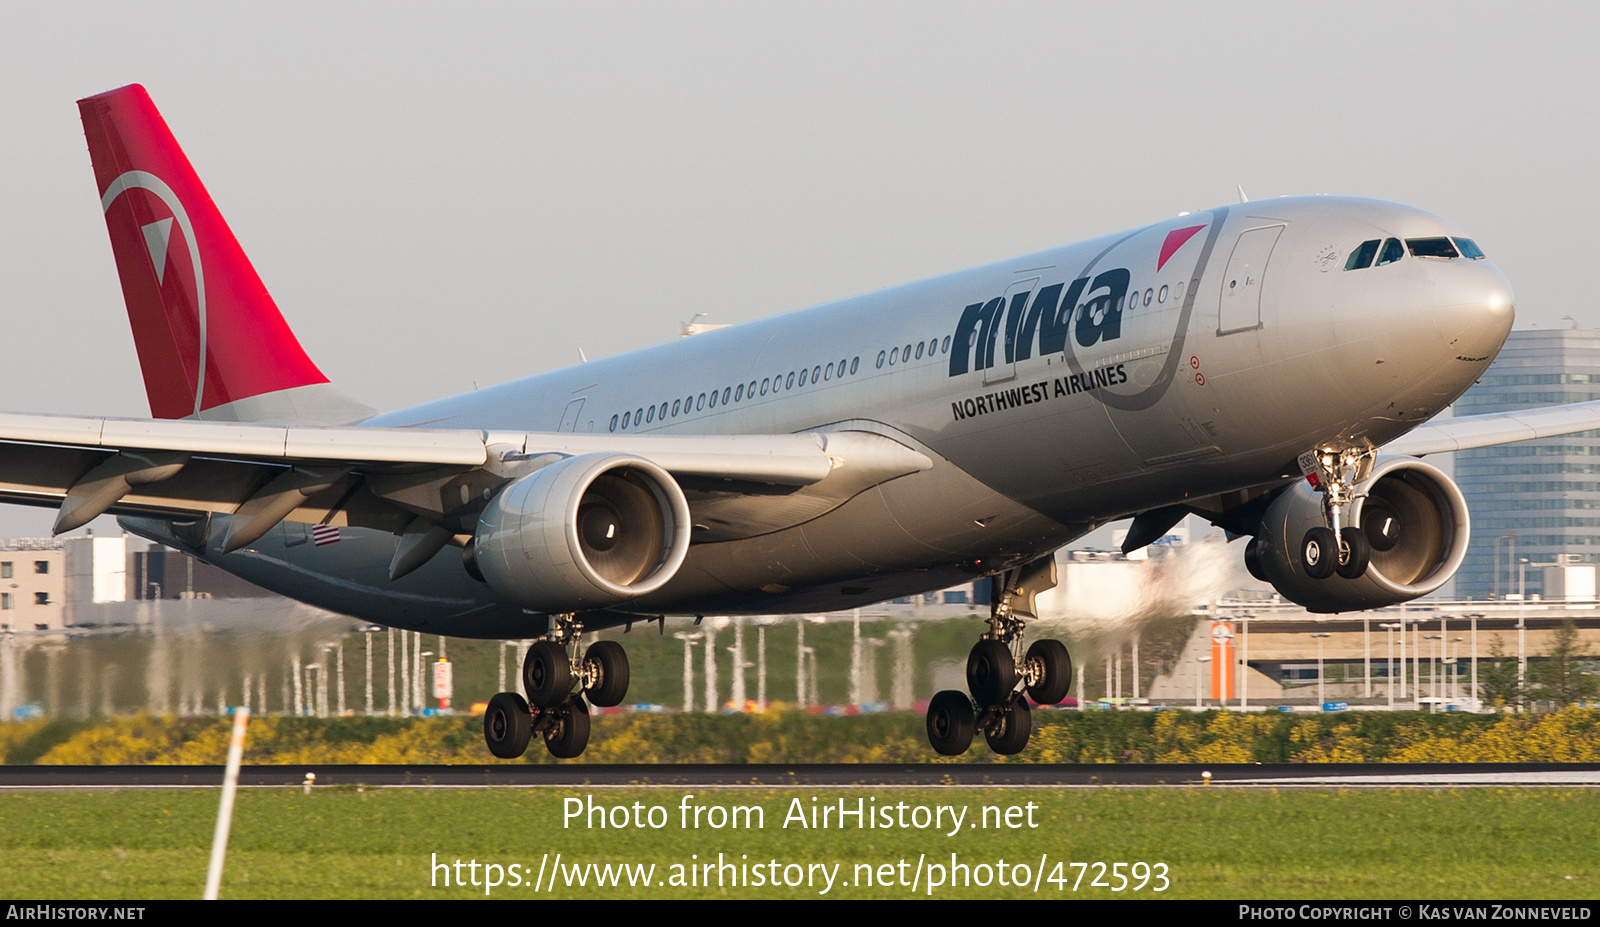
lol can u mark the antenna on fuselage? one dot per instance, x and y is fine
(1242, 197)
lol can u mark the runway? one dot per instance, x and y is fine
(933, 775)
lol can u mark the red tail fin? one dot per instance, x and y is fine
(209, 334)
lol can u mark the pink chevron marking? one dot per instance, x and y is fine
(1175, 240)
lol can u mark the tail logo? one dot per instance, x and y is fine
(157, 236)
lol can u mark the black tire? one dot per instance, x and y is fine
(609, 663)
(1055, 671)
(1015, 727)
(991, 672)
(507, 726)
(570, 734)
(1319, 552)
(950, 723)
(1355, 552)
(546, 675)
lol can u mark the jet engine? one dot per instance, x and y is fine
(1411, 512)
(586, 532)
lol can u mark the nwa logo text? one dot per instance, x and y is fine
(1047, 318)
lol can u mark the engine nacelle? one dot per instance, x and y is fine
(1411, 510)
(586, 532)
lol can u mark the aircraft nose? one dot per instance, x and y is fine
(1473, 308)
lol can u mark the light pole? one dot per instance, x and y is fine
(1322, 690)
(1452, 661)
(1432, 682)
(1522, 659)
(1388, 634)
(1474, 645)
(1244, 662)
(688, 638)
(1508, 536)
(1366, 655)
(1197, 662)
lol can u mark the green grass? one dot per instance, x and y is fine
(1216, 843)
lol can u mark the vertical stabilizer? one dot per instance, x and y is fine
(212, 343)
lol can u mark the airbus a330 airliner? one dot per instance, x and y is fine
(1244, 363)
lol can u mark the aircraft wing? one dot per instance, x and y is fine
(387, 478)
(1469, 431)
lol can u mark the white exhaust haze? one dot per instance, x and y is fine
(1104, 603)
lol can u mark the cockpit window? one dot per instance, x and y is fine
(1362, 256)
(1432, 248)
(1469, 248)
(1392, 251)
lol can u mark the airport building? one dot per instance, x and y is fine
(33, 585)
(48, 584)
(1536, 505)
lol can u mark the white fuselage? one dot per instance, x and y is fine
(1054, 391)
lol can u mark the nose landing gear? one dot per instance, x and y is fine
(997, 679)
(1335, 548)
(553, 711)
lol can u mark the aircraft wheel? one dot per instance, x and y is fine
(1015, 727)
(991, 672)
(609, 664)
(1355, 552)
(570, 734)
(1053, 666)
(1320, 553)
(950, 723)
(546, 674)
(507, 725)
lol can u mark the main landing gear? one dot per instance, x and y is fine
(997, 678)
(1331, 547)
(552, 710)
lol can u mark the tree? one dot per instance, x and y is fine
(1565, 675)
(1498, 680)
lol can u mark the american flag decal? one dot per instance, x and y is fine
(324, 534)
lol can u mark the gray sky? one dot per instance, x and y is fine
(439, 197)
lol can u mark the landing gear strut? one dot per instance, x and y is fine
(1334, 548)
(997, 678)
(553, 711)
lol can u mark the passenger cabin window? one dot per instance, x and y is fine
(1469, 248)
(1432, 248)
(1362, 256)
(1392, 251)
